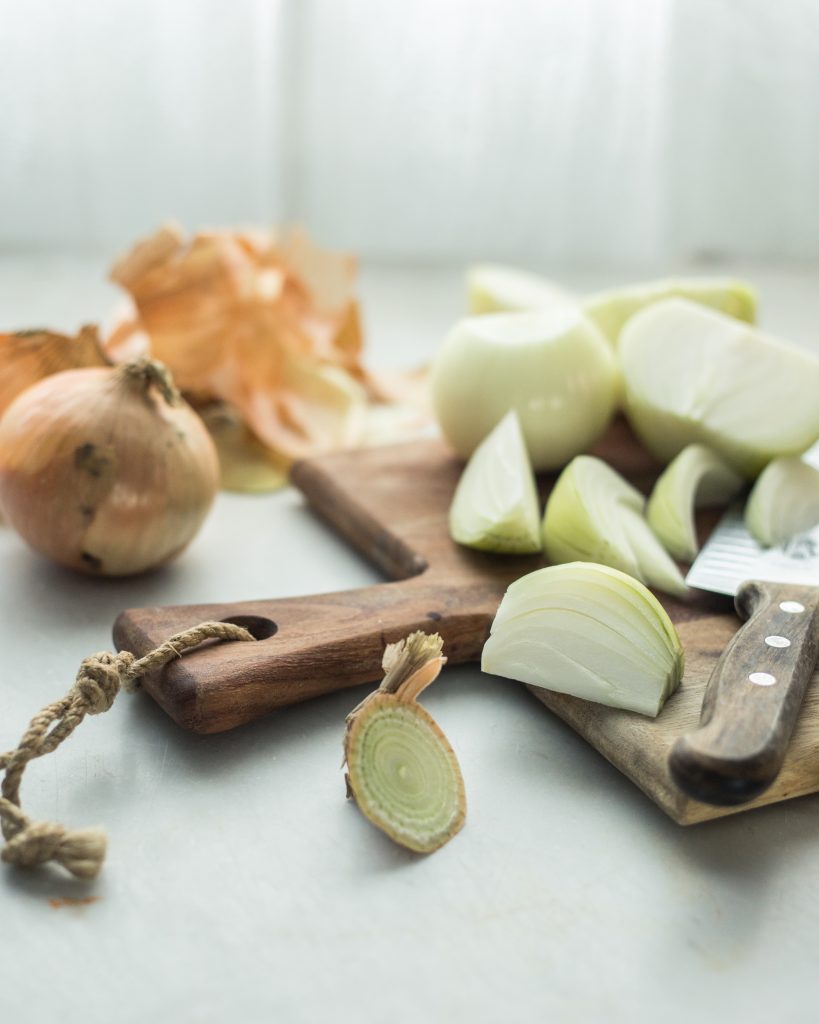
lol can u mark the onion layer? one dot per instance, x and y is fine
(692, 375)
(696, 478)
(554, 368)
(493, 288)
(611, 309)
(594, 515)
(495, 507)
(106, 470)
(590, 631)
(784, 501)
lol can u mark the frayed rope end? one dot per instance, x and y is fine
(81, 851)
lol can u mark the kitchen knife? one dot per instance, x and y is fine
(755, 692)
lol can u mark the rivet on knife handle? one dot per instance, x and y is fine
(753, 697)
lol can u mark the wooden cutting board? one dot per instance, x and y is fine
(391, 504)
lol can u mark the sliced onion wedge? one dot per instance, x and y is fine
(611, 309)
(696, 478)
(784, 501)
(693, 375)
(594, 515)
(495, 507)
(590, 631)
(494, 288)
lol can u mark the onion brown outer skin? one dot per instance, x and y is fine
(102, 475)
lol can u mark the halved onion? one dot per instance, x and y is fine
(692, 375)
(696, 478)
(784, 501)
(590, 631)
(495, 507)
(594, 515)
(611, 309)
(494, 288)
(553, 367)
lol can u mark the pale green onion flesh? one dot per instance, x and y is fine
(401, 770)
(696, 478)
(404, 774)
(784, 501)
(696, 376)
(590, 631)
(495, 288)
(495, 507)
(594, 515)
(553, 367)
(611, 309)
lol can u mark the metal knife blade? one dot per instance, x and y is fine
(731, 555)
(753, 697)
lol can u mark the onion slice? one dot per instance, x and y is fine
(495, 507)
(611, 309)
(590, 631)
(696, 478)
(401, 770)
(784, 501)
(594, 515)
(494, 288)
(693, 375)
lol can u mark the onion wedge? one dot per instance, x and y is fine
(693, 375)
(590, 631)
(784, 501)
(594, 515)
(611, 309)
(495, 507)
(494, 288)
(696, 478)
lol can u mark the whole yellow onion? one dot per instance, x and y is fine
(107, 469)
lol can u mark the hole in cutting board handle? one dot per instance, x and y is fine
(257, 625)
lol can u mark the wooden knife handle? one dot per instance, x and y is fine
(753, 697)
(307, 646)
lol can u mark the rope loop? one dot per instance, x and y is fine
(99, 680)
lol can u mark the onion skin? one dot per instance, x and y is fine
(101, 472)
(28, 356)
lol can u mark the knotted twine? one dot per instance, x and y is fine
(99, 680)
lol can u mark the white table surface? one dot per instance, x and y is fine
(242, 886)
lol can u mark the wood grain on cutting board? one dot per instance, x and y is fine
(391, 504)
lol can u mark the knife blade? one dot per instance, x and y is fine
(755, 692)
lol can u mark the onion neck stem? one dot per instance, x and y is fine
(150, 372)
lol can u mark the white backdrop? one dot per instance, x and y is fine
(582, 133)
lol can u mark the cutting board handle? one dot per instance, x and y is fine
(307, 646)
(753, 697)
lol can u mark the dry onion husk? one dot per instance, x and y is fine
(106, 470)
(28, 356)
(269, 326)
